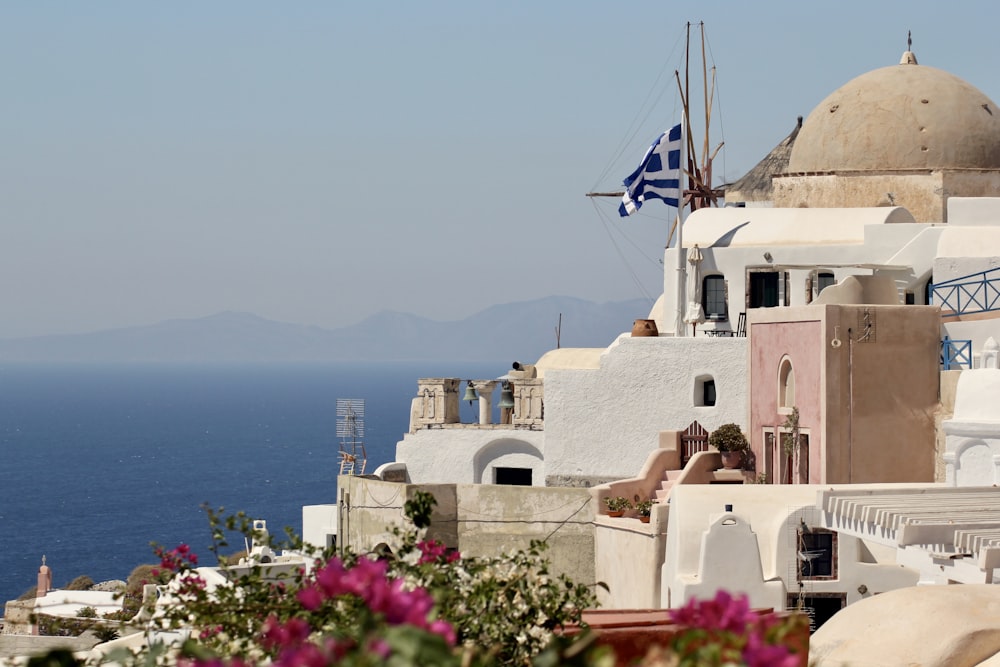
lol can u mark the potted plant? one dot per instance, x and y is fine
(731, 443)
(617, 505)
(644, 508)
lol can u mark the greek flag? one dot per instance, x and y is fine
(658, 175)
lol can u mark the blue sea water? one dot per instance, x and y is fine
(96, 462)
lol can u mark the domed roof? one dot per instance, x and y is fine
(905, 116)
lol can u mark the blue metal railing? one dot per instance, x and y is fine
(955, 354)
(974, 293)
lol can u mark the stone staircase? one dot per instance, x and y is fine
(667, 483)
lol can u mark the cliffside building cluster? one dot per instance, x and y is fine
(845, 314)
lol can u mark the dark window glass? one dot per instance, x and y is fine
(709, 392)
(513, 476)
(817, 554)
(713, 297)
(763, 289)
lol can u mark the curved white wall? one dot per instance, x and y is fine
(468, 455)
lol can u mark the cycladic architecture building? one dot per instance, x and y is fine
(842, 309)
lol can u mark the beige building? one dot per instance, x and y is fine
(844, 393)
(905, 135)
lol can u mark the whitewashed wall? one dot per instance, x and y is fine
(603, 423)
(469, 455)
(757, 554)
(972, 435)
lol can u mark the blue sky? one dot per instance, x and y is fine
(317, 162)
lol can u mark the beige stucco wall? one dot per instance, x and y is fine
(923, 193)
(628, 557)
(882, 394)
(478, 519)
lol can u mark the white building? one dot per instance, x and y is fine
(911, 196)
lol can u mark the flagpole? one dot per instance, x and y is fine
(679, 327)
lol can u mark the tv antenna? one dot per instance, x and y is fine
(351, 431)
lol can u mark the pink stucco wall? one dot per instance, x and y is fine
(802, 342)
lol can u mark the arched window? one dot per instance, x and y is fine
(786, 385)
(713, 297)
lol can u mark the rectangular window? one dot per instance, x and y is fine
(708, 390)
(512, 476)
(817, 554)
(713, 297)
(824, 280)
(763, 289)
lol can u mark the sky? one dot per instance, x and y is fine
(319, 162)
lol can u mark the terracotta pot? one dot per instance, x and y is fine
(731, 460)
(615, 512)
(644, 519)
(642, 328)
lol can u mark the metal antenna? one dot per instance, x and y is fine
(351, 431)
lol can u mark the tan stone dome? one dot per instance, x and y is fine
(906, 116)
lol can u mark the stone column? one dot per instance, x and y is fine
(485, 390)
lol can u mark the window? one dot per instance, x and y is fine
(713, 297)
(512, 476)
(708, 392)
(786, 386)
(817, 553)
(823, 280)
(764, 289)
(704, 391)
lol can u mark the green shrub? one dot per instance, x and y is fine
(81, 583)
(728, 438)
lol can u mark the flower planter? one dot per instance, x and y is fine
(732, 460)
(644, 519)
(615, 513)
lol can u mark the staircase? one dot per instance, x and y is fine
(667, 483)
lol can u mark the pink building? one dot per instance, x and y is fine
(843, 393)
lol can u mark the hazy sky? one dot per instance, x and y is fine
(317, 162)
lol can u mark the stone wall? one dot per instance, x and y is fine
(478, 520)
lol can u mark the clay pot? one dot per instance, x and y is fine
(643, 328)
(732, 460)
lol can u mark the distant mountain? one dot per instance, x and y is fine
(517, 331)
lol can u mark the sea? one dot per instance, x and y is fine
(98, 463)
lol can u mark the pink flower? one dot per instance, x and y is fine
(445, 629)
(310, 598)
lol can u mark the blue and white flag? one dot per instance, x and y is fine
(658, 175)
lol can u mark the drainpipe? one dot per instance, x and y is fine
(850, 407)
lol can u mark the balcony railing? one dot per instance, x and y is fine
(955, 354)
(974, 293)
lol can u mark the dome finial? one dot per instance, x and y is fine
(909, 58)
